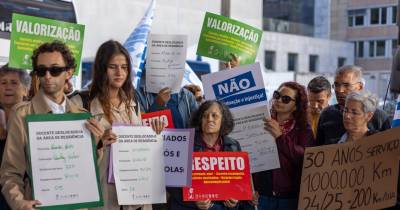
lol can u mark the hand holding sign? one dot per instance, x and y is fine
(234, 62)
(109, 137)
(272, 126)
(163, 96)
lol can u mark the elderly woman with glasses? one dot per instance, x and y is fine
(279, 188)
(358, 111)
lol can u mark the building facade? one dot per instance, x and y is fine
(371, 26)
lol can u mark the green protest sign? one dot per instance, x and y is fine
(28, 32)
(221, 36)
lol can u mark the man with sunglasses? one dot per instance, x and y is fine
(54, 64)
(330, 125)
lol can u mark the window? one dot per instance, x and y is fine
(269, 60)
(356, 17)
(380, 48)
(313, 63)
(341, 62)
(359, 49)
(380, 15)
(292, 61)
(375, 16)
(377, 48)
(371, 48)
(383, 15)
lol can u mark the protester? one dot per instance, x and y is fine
(279, 188)
(112, 100)
(213, 122)
(181, 104)
(14, 86)
(330, 125)
(357, 112)
(53, 64)
(319, 94)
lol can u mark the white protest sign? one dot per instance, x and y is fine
(165, 64)
(178, 149)
(249, 132)
(240, 87)
(63, 161)
(242, 90)
(138, 165)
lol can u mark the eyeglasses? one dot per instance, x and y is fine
(54, 71)
(353, 113)
(285, 99)
(345, 85)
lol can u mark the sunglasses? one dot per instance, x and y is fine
(285, 99)
(54, 71)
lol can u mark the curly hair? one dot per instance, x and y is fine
(55, 46)
(301, 114)
(100, 86)
(226, 122)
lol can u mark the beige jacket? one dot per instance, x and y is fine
(15, 159)
(119, 115)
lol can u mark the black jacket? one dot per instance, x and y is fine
(331, 129)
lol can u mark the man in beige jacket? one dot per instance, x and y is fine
(54, 65)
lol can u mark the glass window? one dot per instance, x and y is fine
(313, 63)
(394, 15)
(380, 47)
(341, 62)
(359, 21)
(292, 61)
(371, 48)
(350, 19)
(356, 17)
(359, 49)
(375, 16)
(269, 60)
(383, 15)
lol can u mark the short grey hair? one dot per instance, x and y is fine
(24, 77)
(355, 70)
(367, 99)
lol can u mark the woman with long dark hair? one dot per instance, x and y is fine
(112, 100)
(279, 188)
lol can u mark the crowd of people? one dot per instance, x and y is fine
(300, 117)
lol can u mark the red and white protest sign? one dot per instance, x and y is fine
(164, 116)
(219, 176)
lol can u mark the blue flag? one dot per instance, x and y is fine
(136, 44)
(396, 117)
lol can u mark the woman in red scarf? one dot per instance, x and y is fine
(279, 188)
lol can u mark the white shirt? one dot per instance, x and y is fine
(56, 108)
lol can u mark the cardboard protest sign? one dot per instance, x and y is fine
(242, 90)
(164, 116)
(138, 165)
(221, 36)
(28, 32)
(63, 161)
(241, 87)
(166, 59)
(219, 176)
(353, 175)
(178, 148)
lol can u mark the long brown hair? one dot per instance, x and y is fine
(100, 82)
